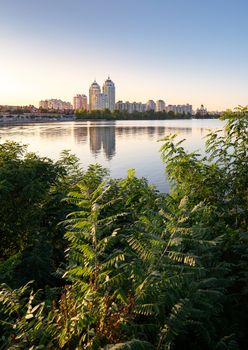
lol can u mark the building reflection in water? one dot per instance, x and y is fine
(80, 134)
(150, 131)
(124, 143)
(54, 132)
(102, 137)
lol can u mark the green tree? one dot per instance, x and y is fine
(214, 189)
(32, 192)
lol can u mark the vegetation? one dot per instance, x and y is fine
(141, 270)
(106, 114)
(148, 115)
(125, 115)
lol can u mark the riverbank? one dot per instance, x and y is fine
(34, 119)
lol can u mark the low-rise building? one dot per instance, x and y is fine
(130, 107)
(55, 104)
(202, 110)
(180, 109)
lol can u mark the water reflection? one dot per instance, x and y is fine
(116, 145)
(80, 134)
(102, 138)
(54, 132)
(150, 131)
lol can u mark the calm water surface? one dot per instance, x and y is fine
(116, 145)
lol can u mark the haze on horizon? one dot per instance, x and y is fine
(181, 51)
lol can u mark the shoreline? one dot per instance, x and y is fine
(22, 121)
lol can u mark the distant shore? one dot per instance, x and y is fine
(35, 119)
(53, 119)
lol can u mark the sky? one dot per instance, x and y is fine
(181, 51)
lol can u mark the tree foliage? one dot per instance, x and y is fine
(31, 193)
(125, 115)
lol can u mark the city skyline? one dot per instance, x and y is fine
(189, 52)
(105, 99)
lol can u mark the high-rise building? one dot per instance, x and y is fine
(95, 98)
(80, 102)
(150, 105)
(102, 101)
(108, 90)
(160, 106)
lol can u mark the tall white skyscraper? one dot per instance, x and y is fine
(95, 98)
(108, 90)
(101, 101)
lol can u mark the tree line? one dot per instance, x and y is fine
(106, 114)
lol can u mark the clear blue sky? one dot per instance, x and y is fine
(183, 51)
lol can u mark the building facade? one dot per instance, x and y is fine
(100, 100)
(80, 102)
(150, 105)
(55, 104)
(160, 106)
(95, 99)
(130, 107)
(108, 90)
(186, 109)
(202, 110)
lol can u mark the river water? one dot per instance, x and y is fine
(116, 145)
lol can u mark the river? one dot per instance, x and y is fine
(116, 145)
